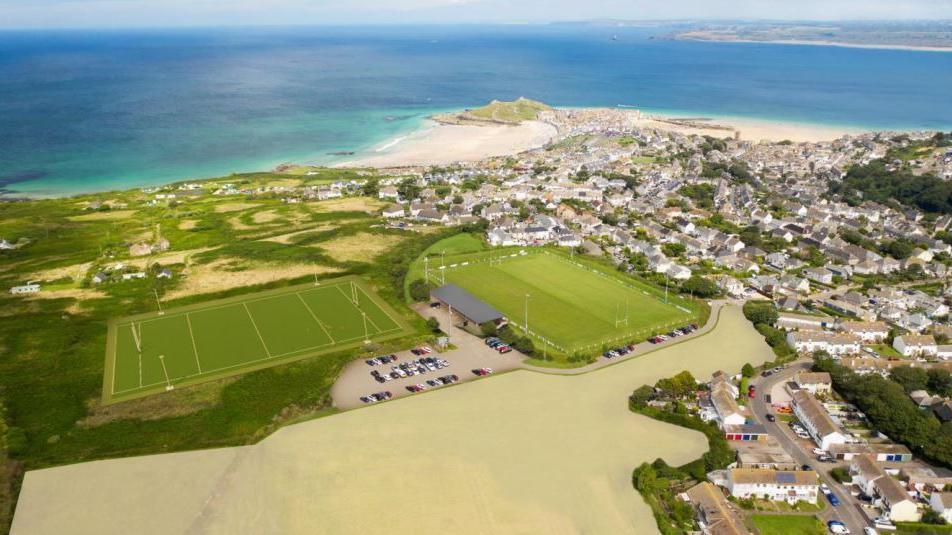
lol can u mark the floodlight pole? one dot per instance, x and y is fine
(315, 280)
(666, 287)
(168, 383)
(527, 315)
(157, 302)
(366, 335)
(426, 268)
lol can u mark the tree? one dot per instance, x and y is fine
(408, 189)
(673, 249)
(419, 290)
(433, 324)
(524, 345)
(700, 286)
(939, 382)
(488, 329)
(840, 474)
(371, 188)
(747, 370)
(910, 378)
(760, 312)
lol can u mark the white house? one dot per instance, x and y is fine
(789, 486)
(832, 343)
(679, 272)
(868, 331)
(941, 502)
(394, 210)
(916, 345)
(814, 382)
(816, 420)
(25, 289)
(888, 494)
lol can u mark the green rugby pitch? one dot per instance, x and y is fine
(206, 341)
(573, 305)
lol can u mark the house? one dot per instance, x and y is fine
(867, 331)
(140, 249)
(5, 245)
(500, 238)
(164, 273)
(728, 412)
(832, 343)
(816, 420)
(789, 321)
(941, 502)
(888, 494)
(25, 289)
(388, 192)
(916, 345)
(773, 485)
(393, 210)
(134, 275)
(715, 515)
(99, 278)
(678, 272)
(821, 275)
(814, 382)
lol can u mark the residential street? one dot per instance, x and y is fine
(848, 511)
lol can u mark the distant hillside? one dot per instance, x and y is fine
(514, 112)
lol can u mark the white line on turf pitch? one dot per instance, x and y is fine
(217, 370)
(255, 325)
(356, 306)
(313, 315)
(188, 320)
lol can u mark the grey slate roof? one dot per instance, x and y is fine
(466, 304)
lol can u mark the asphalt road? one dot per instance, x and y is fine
(848, 511)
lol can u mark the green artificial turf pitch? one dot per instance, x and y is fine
(219, 338)
(575, 306)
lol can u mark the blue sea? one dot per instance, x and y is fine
(93, 111)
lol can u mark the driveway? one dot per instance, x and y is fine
(848, 511)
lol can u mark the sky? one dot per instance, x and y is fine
(161, 13)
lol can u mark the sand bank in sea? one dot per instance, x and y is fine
(441, 144)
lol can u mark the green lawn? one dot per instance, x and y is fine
(787, 525)
(886, 351)
(575, 306)
(454, 245)
(216, 339)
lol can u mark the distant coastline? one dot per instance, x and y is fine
(911, 48)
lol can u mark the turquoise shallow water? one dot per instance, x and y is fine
(84, 111)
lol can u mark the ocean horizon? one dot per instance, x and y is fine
(84, 111)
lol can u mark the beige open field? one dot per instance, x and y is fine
(522, 453)
(222, 274)
(361, 246)
(111, 215)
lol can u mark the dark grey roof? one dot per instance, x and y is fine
(466, 303)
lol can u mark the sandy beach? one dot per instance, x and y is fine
(750, 129)
(441, 144)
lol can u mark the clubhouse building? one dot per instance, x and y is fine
(466, 306)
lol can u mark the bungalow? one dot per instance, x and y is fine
(394, 210)
(25, 289)
(816, 420)
(789, 321)
(918, 345)
(99, 278)
(774, 485)
(388, 192)
(432, 216)
(678, 272)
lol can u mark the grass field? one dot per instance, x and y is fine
(575, 306)
(155, 352)
(787, 525)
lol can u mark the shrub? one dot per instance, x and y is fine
(488, 329)
(419, 290)
(433, 324)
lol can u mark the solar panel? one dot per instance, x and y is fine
(786, 477)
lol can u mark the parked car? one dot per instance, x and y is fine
(835, 526)
(482, 372)
(834, 501)
(504, 349)
(771, 418)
